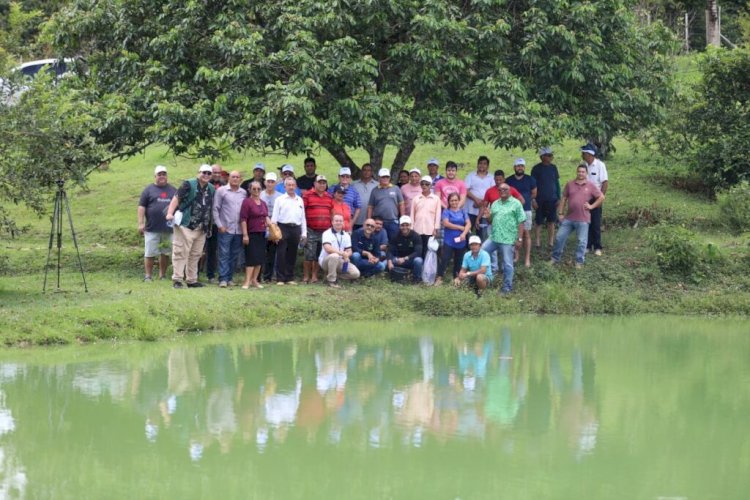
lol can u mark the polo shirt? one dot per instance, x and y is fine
(227, 206)
(385, 202)
(577, 195)
(405, 246)
(493, 194)
(471, 263)
(318, 208)
(525, 185)
(506, 216)
(425, 213)
(364, 189)
(339, 241)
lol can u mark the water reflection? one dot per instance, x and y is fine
(526, 397)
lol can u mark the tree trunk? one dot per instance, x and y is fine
(713, 24)
(376, 152)
(402, 156)
(341, 156)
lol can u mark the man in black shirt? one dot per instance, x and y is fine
(307, 181)
(405, 249)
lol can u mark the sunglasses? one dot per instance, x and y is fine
(369, 225)
(206, 173)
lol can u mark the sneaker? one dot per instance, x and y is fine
(177, 284)
(579, 265)
(230, 283)
(291, 283)
(280, 283)
(598, 253)
(147, 279)
(197, 284)
(333, 284)
(211, 281)
(222, 284)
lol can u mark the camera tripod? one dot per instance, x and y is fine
(61, 199)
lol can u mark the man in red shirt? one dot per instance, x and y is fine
(318, 211)
(493, 193)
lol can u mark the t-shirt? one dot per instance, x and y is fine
(318, 209)
(458, 217)
(305, 183)
(577, 195)
(351, 197)
(493, 194)
(282, 190)
(506, 216)
(471, 263)
(361, 243)
(339, 241)
(270, 199)
(343, 210)
(445, 187)
(364, 190)
(156, 200)
(409, 192)
(478, 187)
(547, 182)
(385, 202)
(524, 185)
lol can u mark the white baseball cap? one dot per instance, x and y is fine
(384, 172)
(475, 239)
(205, 168)
(519, 161)
(345, 171)
(415, 169)
(159, 169)
(271, 176)
(426, 178)
(433, 161)
(405, 219)
(259, 166)
(287, 168)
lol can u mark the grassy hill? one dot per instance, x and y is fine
(626, 280)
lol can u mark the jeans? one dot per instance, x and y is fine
(415, 266)
(391, 228)
(230, 246)
(582, 233)
(365, 268)
(446, 253)
(595, 229)
(507, 252)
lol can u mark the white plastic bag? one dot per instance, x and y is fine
(429, 269)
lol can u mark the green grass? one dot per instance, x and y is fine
(119, 306)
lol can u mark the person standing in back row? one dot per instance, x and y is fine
(547, 196)
(597, 174)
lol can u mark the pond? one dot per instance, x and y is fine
(507, 407)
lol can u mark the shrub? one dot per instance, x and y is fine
(676, 248)
(734, 204)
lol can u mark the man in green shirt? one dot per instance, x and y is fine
(507, 217)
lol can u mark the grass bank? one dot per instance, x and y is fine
(626, 280)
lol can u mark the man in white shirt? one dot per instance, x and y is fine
(477, 184)
(336, 252)
(597, 174)
(289, 214)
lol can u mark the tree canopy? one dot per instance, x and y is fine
(205, 77)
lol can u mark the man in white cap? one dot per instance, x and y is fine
(433, 165)
(152, 222)
(351, 196)
(526, 185)
(387, 202)
(547, 196)
(597, 174)
(193, 204)
(336, 253)
(226, 212)
(411, 189)
(475, 268)
(405, 250)
(364, 187)
(287, 171)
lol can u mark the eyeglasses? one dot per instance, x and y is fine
(161, 174)
(206, 173)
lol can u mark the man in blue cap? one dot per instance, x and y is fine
(547, 196)
(597, 174)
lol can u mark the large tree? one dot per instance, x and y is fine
(203, 76)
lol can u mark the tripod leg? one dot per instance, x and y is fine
(51, 237)
(60, 195)
(75, 240)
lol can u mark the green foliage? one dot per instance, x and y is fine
(676, 248)
(734, 204)
(294, 75)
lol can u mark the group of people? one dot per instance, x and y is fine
(362, 228)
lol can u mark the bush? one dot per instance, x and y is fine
(734, 204)
(677, 249)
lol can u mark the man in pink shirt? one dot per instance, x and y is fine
(411, 189)
(577, 195)
(425, 212)
(451, 184)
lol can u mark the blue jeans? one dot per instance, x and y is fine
(582, 233)
(508, 252)
(230, 246)
(415, 266)
(391, 228)
(367, 269)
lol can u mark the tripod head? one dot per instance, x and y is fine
(60, 183)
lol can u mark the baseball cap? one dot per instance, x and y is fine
(404, 219)
(321, 178)
(259, 166)
(271, 176)
(519, 161)
(588, 148)
(433, 161)
(205, 168)
(159, 169)
(287, 168)
(475, 239)
(384, 172)
(426, 178)
(545, 151)
(415, 170)
(345, 171)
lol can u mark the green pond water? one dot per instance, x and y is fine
(508, 407)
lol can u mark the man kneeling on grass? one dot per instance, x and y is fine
(336, 252)
(475, 269)
(405, 250)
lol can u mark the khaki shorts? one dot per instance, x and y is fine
(158, 244)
